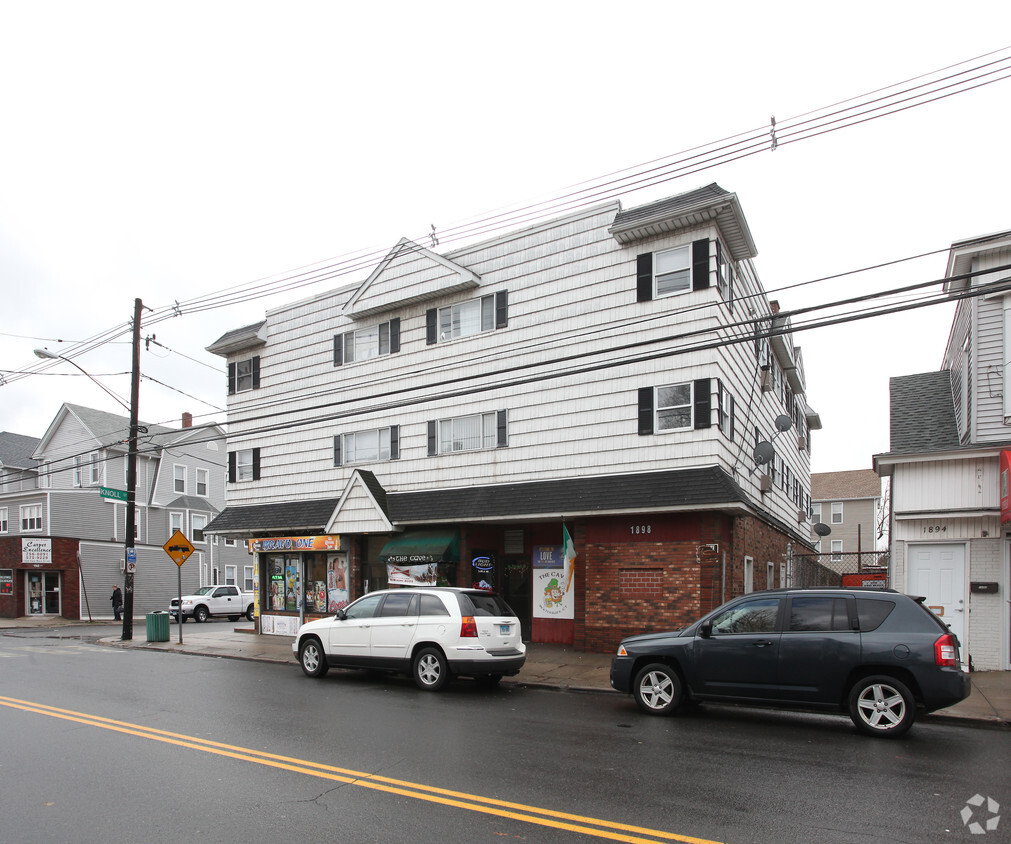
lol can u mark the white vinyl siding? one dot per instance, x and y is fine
(572, 298)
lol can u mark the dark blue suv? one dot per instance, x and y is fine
(879, 654)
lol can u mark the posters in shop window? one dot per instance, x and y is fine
(336, 582)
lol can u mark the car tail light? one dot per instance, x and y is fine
(468, 627)
(945, 651)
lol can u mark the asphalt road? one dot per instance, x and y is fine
(121, 745)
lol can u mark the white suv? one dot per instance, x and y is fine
(431, 633)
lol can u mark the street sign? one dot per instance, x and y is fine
(178, 548)
(112, 494)
(131, 560)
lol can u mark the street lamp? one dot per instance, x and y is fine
(131, 463)
(45, 354)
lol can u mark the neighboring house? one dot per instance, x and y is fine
(948, 461)
(62, 529)
(850, 504)
(18, 470)
(613, 371)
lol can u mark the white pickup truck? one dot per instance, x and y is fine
(213, 600)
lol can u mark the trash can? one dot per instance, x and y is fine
(157, 626)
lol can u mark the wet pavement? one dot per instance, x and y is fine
(547, 666)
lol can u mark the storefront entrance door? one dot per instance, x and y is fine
(43, 590)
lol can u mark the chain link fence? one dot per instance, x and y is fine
(864, 568)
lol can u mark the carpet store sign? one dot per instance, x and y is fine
(36, 552)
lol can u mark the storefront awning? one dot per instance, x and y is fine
(418, 547)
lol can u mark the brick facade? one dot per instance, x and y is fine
(65, 560)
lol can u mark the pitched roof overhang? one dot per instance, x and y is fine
(689, 210)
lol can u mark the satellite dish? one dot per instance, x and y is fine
(764, 452)
(783, 423)
(822, 529)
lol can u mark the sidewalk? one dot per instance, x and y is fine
(547, 666)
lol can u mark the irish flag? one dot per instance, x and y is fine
(569, 553)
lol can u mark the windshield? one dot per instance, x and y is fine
(203, 590)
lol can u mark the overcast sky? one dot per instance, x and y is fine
(170, 151)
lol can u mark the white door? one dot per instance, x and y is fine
(938, 573)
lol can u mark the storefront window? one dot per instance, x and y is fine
(315, 581)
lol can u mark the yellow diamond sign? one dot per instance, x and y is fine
(178, 548)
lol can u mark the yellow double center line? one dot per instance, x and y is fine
(460, 800)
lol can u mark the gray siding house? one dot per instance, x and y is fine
(77, 492)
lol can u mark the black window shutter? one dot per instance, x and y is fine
(700, 265)
(502, 309)
(432, 326)
(394, 442)
(337, 450)
(394, 335)
(645, 411)
(732, 423)
(703, 404)
(256, 464)
(338, 350)
(231, 465)
(644, 278)
(231, 378)
(433, 442)
(256, 372)
(503, 431)
(720, 399)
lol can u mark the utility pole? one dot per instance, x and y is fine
(131, 477)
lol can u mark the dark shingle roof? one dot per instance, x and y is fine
(309, 516)
(16, 450)
(705, 486)
(922, 413)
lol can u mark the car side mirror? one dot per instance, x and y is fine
(340, 615)
(706, 630)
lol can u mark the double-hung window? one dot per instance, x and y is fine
(468, 433)
(31, 517)
(837, 512)
(244, 375)
(95, 477)
(3, 520)
(726, 412)
(78, 471)
(465, 319)
(244, 465)
(179, 479)
(367, 446)
(675, 407)
(672, 271)
(202, 482)
(724, 276)
(366, 343)
(197, 524)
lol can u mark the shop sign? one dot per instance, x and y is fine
(37, 551)
(424, 575)
(6, 581)
(552, 596)
(327, 542)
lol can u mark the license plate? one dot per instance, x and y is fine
(503, 629)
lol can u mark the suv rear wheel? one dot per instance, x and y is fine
(657, 689)
(430, 669)
(882, 706)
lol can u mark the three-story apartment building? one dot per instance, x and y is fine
(949, 458)
(601, 416)
(63, 516)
